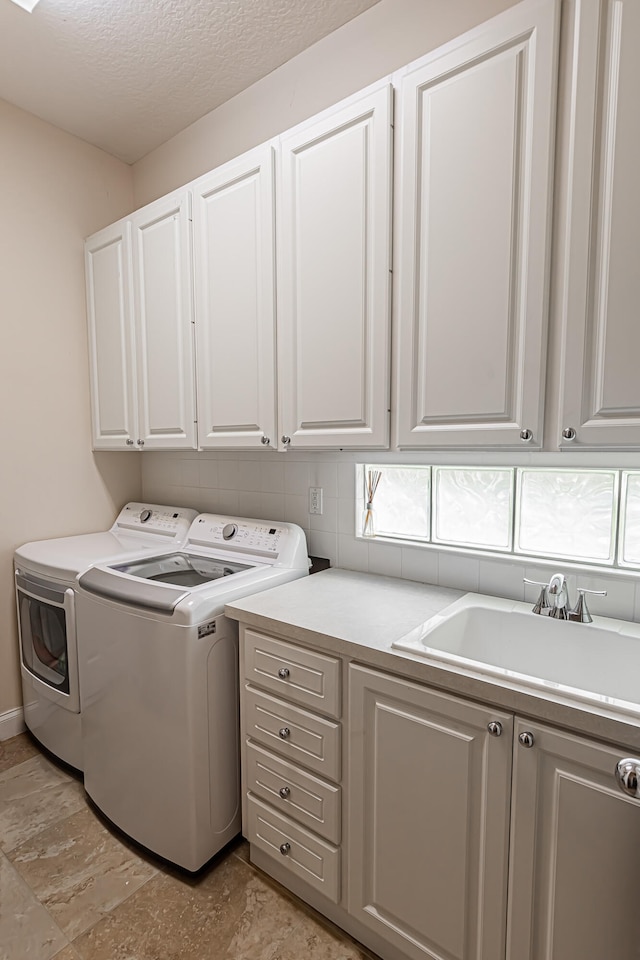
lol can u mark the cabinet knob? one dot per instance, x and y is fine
(284, 792)
(284, 733)
(283, 673)
(495, 728)
(569, 433)
(265, 440)
(140, 443)
(526, 435)
(285, 848)
(628, 776)
(286, 440)
(129, 442)
(527, 739)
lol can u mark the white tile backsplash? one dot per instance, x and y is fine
(209, 474)
(385, 559)
(276, 487)
(328, 519)
(353, 554)
(419, 564)
(501, 579)
(460, 572)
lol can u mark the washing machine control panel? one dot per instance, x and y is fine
(241, 536)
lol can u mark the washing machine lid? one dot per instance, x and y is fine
(159, 583)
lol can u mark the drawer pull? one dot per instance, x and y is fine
(284, 792)
(628, 776)
(284, 733)
(285, 849)
(283, 673)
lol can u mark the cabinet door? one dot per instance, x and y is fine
(235, 302)
(573, 888)
(114, 414)
(473, 237)
(334, 203)
(161, 245)
(600, 239)
(428, 819)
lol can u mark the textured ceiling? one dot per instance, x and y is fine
(126, 75)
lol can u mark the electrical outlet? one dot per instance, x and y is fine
(315, 500)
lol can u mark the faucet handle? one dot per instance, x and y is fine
(541, 603)
(580, 613)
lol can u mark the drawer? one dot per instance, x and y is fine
(293, 733)
(313, 860)
(295, 673)
(293, 792)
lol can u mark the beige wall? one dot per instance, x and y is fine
(376, 43)
(55, 190)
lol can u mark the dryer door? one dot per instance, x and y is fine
(46, 625)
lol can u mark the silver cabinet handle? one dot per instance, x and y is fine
(285, 848)
(284, 792)
(129, 442)
(286, 440)
(265, 440)
(527, 739)
(526, 435)
(495, 728)
(569, 433)
(140, 443)
(283, 673)
(628, 776)
(284, 733)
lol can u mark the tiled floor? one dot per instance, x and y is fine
(72, 889)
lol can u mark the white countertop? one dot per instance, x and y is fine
(359, 616)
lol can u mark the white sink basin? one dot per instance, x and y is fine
(597, 662)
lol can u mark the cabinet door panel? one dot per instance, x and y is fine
(235, 302)
(333, 275)
(109, 310)
(164, 323)
(600, 387)
(575, 837)
(475, 186)
(428, 819)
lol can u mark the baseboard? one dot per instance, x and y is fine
(11, 723)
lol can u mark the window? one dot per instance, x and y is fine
(543, 512)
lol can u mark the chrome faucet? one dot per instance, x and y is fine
(553, 600)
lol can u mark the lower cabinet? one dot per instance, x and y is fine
(428, 818)
(442, 829)
(575, 841)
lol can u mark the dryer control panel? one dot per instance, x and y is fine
(151, 518)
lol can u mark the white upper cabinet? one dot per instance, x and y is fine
(600, 239)
(334, 246)
(141, 329)
(114, 413)
(163, 310)
(474, 211)
(233, 219)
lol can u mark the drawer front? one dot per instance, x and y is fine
(293, 792)
(313, 860)
(293, 733)
(302, 676)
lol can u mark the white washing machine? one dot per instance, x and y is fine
(159, 663)
(45, 578)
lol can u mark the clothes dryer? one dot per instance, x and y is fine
(159, 664)
(45, 580)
